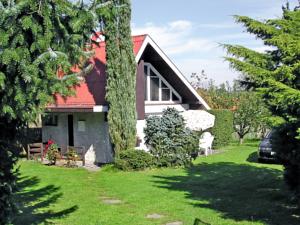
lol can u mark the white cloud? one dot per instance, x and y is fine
(191, 51)
(181, 25)
(176, 37)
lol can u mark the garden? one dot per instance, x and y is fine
(46, 50)
(223, 189)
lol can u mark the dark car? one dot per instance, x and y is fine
(265, 151)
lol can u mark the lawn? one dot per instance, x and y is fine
(227, 188)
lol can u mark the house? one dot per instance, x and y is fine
(81, 120)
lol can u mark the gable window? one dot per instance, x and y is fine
(157, 89)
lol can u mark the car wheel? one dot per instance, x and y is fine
(260, 160)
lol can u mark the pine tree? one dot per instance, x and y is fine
(275, 74)
(121, 82)
(38, 41)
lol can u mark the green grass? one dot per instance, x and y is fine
(228, 188)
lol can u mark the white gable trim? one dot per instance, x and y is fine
(149, 40)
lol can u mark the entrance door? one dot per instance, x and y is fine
(71, 130)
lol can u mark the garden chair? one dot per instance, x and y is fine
(35, 150)
(205, 143)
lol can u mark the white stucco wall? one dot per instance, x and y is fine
(159, 108)
(140, 125)
(94, 137)
(57, 133)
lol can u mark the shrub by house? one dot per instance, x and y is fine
(223, 127)
(170, 142)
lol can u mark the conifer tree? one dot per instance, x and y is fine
(275, 74)
(121, 72)
(39, 39)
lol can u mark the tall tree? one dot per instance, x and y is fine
(276, 75)
(38, 41)
(249, 114)
(121, 72)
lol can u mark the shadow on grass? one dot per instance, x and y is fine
(253, 158)
(240, 192)
(33, 203)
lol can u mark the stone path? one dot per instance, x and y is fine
(111, 201)
(175, 223)
(92, 167)
(154, 216)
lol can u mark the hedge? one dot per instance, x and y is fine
(223, 127)
(134, 159)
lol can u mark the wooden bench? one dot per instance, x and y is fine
(35, 150)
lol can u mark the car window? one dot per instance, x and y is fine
(270, 134)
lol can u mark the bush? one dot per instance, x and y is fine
(286, 143)
(51, 152)
(223, 127)
(134, 160)
(170, 142)
(72, 157)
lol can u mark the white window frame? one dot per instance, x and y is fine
(161, 79)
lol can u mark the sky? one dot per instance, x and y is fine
(190, 31)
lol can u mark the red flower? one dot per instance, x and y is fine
(49, 143)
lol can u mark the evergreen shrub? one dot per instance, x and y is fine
(134, 159)
(223, 128)
(170, 142)
(274, 74)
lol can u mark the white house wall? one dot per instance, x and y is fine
(94, 137)
(140, 126)
(158, 109)
(58, 133)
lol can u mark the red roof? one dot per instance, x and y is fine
(91, 92)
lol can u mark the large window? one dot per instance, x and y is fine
(157, 88)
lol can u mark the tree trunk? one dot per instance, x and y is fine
(241, 140)
(9, 153)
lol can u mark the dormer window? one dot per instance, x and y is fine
(157, 89)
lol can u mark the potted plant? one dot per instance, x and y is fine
(51, 152)
(72, 157)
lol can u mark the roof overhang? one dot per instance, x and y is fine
(77, 108)
(149, 41)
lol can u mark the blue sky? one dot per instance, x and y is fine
(190, 31)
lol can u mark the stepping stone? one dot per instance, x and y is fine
(175, 223)
(154, 216)
(91, 167)
(112, 201)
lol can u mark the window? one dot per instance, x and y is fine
(157, 88)
(81, 125)
(154, 88)
(50, 120)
